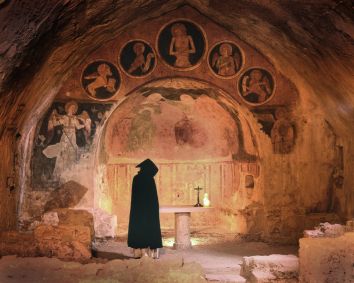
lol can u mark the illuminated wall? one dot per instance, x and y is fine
(195, 138)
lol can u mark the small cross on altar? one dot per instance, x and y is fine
(198, 203)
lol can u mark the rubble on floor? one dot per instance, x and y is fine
(325, 258)
(328, 257)
(63, 241)
(64, 233)
(325, 230)
(272, 268)
(105, 224)
(45, 270)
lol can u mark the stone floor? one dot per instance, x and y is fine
(212, 258)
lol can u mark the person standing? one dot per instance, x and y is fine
(144, 221)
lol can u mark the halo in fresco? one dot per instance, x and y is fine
(101, 80)
(225, 59)
(137, 58)
(182, 44)
(256, 86)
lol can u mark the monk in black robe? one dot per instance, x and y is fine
(144, 222)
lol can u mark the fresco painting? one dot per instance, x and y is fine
(101, 80)
(169, 129)
(283, 132)
(256, 86)
(137, 58)
(278, 124)
(225, 59)
(181, 44)
(179, 119)
(63, 138)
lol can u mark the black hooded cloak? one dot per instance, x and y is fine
(144, 221)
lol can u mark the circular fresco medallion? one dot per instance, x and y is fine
(137, 58)
(101, 80)
(256, 86)
(225, 59)
(181, 44)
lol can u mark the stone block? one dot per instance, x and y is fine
(331, 230)
(327, 259)
(70, 242)
(63, 233)
(64, 250)
(105, 224)
(68, 195)
(80, 250)
(313, 234)
(272, 268)
(64, 241)
(33, 225)
(16, 243)
(50, 218)
(76, 217)
(313, 219)
(325, 230)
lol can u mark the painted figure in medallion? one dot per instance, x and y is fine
(137, 58)
(101, 80)
(256, 85)
(181, 45)
(140, 61)
(225, 59)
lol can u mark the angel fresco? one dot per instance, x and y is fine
(256, 86)
(225, 59)
(137, 58)
(66, 151)
(63, 139)
(101, 80)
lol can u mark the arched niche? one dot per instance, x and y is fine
(196, 134)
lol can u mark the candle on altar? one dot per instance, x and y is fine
(206, 201)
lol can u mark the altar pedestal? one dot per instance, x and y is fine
(182, 223)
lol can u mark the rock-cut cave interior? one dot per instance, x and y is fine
(245, 107)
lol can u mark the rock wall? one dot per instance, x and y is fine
(8, 181)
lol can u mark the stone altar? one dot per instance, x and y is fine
(182, 223)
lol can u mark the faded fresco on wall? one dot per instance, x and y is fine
(137, 58)
(256, 86)
(278, 124)
(182, 44)
(283, 132)
(225, 59)
(64, 137)
(101, 80)
(176, 120)
(177, 128)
